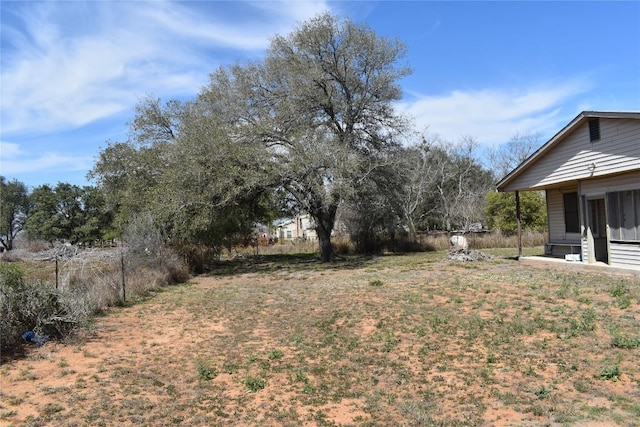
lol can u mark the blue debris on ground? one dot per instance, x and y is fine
(33, 338)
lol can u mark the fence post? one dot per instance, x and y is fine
(57, 272)
(124, 291)
(519, 223)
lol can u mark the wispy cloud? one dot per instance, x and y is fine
(494, 115)
(67, 64)
(16, 161)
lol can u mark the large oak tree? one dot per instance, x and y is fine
(320, 105)
(311, 122)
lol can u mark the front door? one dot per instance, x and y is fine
(596, 221)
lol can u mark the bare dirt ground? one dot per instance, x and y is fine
(407, 341)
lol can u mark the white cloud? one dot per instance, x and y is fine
(493, 116)
(75, 63)
(14, 161)
(9, 150)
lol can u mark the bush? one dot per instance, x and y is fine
(341, 245)
(33, 306)
(500, 211)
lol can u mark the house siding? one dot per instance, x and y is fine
(598, 187)
(625, 255)
(617, 151)
(585, 249)
(300, 227)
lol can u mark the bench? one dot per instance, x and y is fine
(573, 247)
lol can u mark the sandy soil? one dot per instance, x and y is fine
(139, 360)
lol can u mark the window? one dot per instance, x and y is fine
(624, 215)
(594, 130)
(289, 234)
(571, 216)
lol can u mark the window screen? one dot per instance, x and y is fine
(624, 215)
(571, 216)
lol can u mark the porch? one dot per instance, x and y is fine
(578, 265)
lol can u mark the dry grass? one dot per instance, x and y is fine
(430, 242)
(411, 340)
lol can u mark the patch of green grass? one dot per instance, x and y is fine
(626, 342)
(255, 384)
(51, 409)
(206, 372)
(609, 371)
(542, 392)
(620, 291)
(275, 354)
(376, 283)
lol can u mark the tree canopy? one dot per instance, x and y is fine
(311, 128)
(310, 122)
(13, 210)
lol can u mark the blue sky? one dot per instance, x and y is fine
(72, 72)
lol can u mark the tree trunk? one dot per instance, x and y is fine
(324, 240)
(325, 219)
(8, 245)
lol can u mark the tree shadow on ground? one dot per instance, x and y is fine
(288, 262)
(292, 262)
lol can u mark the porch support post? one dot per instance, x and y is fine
(519, 222)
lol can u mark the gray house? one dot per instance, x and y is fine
(590, 172)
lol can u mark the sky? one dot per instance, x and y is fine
(72, 72)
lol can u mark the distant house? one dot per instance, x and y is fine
(590, 172)
(300, 227)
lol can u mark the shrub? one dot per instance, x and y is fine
(500, 211)
(33, 306)
(341, 245)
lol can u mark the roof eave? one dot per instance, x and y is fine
(558, 137)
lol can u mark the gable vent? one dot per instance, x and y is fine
(594, 130)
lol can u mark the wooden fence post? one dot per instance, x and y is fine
(124, 290)
(519, 223)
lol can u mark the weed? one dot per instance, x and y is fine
(542, 392)
(588, 320)
(275, 354)
(530, 371)
(300, 376)
(8, 414)
(609, 371)
(255, 384)
(206, 372)
(389, 342)
(620, 291)
(51, 409)
(27, 375)
(595, 411)
(230, 367)
(581, 385)
(623, 302)
(626, 342)
(87, 353)
(376, 282)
